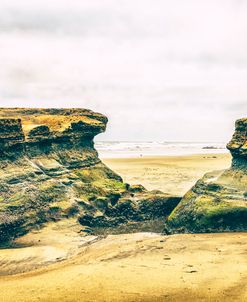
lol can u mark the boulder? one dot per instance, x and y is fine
(218, 201)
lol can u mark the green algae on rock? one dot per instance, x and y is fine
(50, 170)
(218, 201)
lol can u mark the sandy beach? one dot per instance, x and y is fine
(171, 174)
(130, 267)
(141, 267)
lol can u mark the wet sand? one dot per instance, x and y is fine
(60, 263)
(55, 242)
(141, 267)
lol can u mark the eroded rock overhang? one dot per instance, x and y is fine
(25, 131)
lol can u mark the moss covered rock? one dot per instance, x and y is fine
(50, 170)
(218, 201)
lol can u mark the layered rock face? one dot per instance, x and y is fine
(218, 201)
(49, 170)
(238, 144)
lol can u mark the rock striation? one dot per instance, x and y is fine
(218, 201)
(238, 144)
(50, 170)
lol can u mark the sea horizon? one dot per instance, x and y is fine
(122, 149)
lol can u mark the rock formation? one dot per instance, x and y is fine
(49, 170)
(218, 201)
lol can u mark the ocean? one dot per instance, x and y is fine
(122, 149)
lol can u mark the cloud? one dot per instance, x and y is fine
(148, 62)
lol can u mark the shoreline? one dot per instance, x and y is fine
(134, 156)
(166, 155)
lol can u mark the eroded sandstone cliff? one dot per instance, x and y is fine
(49, 170)
(218, 201)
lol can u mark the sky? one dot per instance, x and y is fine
(161, 70)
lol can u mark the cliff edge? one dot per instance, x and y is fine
(50, 170)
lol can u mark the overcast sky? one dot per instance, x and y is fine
(165, 70)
